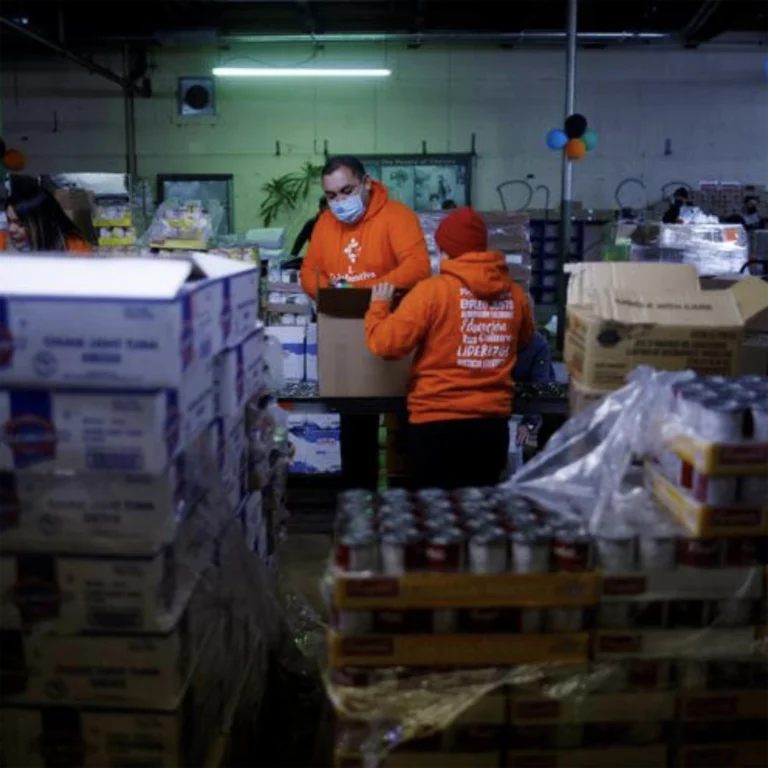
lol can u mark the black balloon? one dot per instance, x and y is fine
(575, 125)
(2, 147)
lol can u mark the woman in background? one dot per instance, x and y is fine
(36, 222)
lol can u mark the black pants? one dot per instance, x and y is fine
(459, 453)
(360, 451)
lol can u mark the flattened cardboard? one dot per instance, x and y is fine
(346, 368)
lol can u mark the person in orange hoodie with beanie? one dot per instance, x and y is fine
(465, 326)
(362, 239)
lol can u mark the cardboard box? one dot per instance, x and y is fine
(682, 584)
(593, 708)
(311, 353)
(239, 373)
(229, 444)
(723, 705)
(581, 397)
(456, 650)
(315, 443)
(98, 430)
(345, 366)
(454, 590)
(626, 757)
(148, 672)
(122, 322)
(703, 519)
(611, 645)
(743, 755)
(748, 457)
(623, 315)
(67, 594)
(292, 339)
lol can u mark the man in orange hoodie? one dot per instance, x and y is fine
(362, 239)
(466, 325)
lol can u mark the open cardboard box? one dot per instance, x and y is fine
(345, 366)
(621, 315)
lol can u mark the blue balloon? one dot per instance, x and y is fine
(556, 139)
(765, 67)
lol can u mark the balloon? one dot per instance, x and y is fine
(590, 139)
(575, 125)
(575, 149)
(556, 139)
(14, 160)
(765, 66)
(2, 147)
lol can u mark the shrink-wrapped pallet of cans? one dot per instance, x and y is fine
(566, 618)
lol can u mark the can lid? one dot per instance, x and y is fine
(445, 536)
(489, 534)
(722, 404)
(401, 536)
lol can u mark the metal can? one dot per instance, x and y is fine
(650, 614)
(714, 489)
(463, 495)
(649, 675)
(759, 412)
(614, 616)
(488, 551)
(530, 621)
(615, 551)
(483, 620)
(353, 622)
(657, 553)
(688, 614)
(742, 552)
(402, 551)
(444, 551)
(357, 552)
(700, 553)
(693, 675)
(753, 489)
(530, 550)
(444, 621)
(689, 404)
(732, 613)
(722, 419)
(571, 550)
(565, 619)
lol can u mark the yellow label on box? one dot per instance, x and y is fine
(456, 650)
(458, 590)
(746, 458)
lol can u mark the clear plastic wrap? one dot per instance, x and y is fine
(714, 249)
(569, 616)
(188, 224)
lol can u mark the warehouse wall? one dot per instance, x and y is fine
(712, 105)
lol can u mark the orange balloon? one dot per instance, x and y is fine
(575, 149)
(15, 160)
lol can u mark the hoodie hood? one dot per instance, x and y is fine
(377, 201)
(484, 273)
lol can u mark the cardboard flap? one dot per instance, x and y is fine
(214, 266)
(61, 276)
(751, 296)
(348, 303)
(643, 279)
(682, 309)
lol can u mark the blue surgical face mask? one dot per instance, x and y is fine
(349, 210)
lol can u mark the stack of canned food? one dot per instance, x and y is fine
(715, 456)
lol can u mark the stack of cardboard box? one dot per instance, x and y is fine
(123, 383)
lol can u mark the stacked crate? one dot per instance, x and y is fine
(643, 645)
(124, 640)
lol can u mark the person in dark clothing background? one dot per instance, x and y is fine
(449, 205)
(679, 199)
(306, 231)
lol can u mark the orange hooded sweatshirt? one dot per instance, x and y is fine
(387, 244)
(466, 325)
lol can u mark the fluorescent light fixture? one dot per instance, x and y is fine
(297, 72)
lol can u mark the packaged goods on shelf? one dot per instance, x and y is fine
(310, 364)
(315, 443)
(612, 628)
(129, 323)
(239, 373)
(267, 237)
(711, 248)
(292, 339)
(185, 225)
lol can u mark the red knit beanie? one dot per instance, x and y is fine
(462, 231)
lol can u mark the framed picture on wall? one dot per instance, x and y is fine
(424, 182)
(212, 186)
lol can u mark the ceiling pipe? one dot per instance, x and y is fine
(88, 64)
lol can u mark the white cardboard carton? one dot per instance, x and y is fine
(240, 373)
(311, 363)
(293, 341)
(124, 431)
(315, 442)
(229, 444)
(96, 323)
